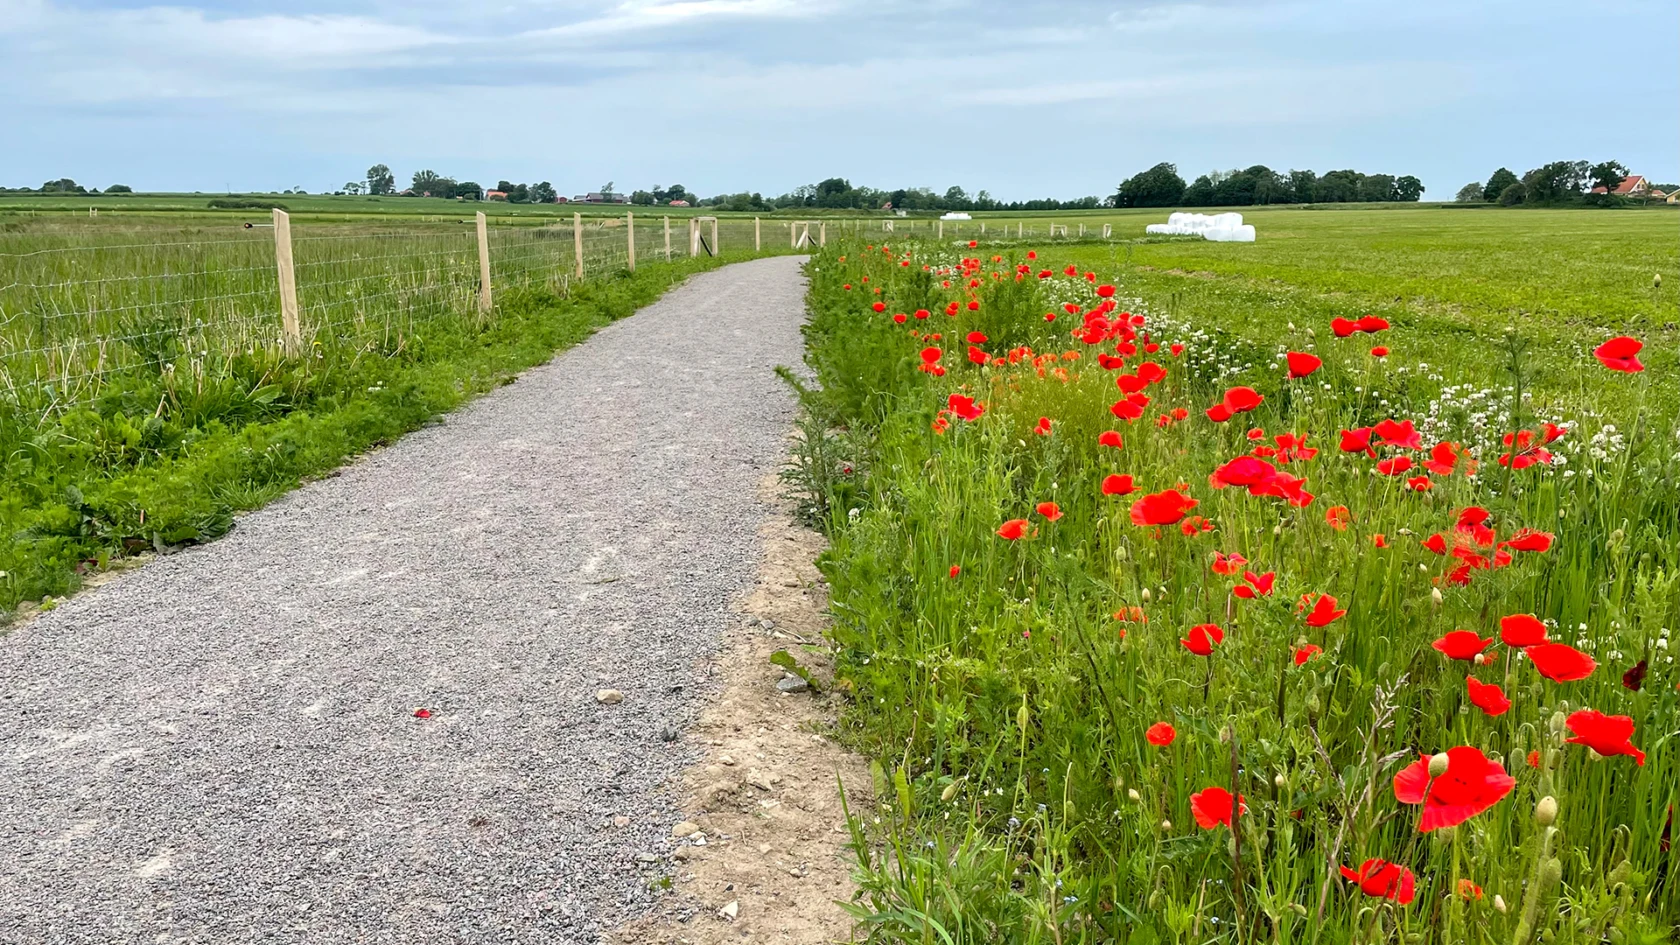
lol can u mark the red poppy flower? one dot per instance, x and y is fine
(1461, 644)
(1469, 890)
(1307, 652)
(1176, 349)
(1401, 434)
(1445, 457)
(1471, 784)
(1634, 678)
(1227, 563)
(1380, 540)
(1534, 758)
(879, 306)
(1372, 323)
(1381, 879)
(1606, 734)
(1419, 484)
(1160, 734)
(1528, 539)
(964, 407)
(1522, 630)
(1302, 364)
(1323, 611)
(1241, 399)
(1212, 806)
(1105, 291)
(1043, 428)
(900, 318)
(1110, 438)
(930, 355)
(1357, 441)
(1167, 507)
(1338, 517)
(977, 338)
(1243, 472)
(1012, 529)
(1379, 352)
(422, 713)
(1050, 510)
(1620, 354)
(1343, 327)
(1120, 484)
(1218, 413)
(1487, 696)
(1561, 662)
(956, 569)
(1254, 584)
(1202, 638)
(1394, 466)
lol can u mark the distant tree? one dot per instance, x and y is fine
(607, 190)
(1608, 174)
(679, 192)
(1513, 195)
(1200, 193)
(834, 192)
(983, 200)
(519, 193)
(380, 180)
(1556, 182)
(119, 189)
(63, 185)
(1377, 188)
(642, 198)
(1497, 184)
(956, 199)
(1339, 186)
(430, 182)
(469, 190)
(1269, 185)
(1303, 186)
(1160, 186)
(543, 193)
(1470, 193)
(352, 187)
(1408, 189)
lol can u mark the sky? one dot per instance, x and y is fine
(1060, 98)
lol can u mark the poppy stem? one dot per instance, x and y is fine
(1236, 840)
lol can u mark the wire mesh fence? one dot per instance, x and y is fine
(80, 308)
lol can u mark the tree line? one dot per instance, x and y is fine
(1556, 184)
(1161, 186)
(65, 185)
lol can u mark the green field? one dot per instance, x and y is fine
(1014, 620)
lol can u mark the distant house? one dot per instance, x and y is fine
(1673, 198)
(679, 203)
(1631, 186)
(495, 195)
(601, 198)
(562, 200)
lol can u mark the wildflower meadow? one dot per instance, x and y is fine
(1312, 629)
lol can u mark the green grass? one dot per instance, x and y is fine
(1016, 797)
(145, 396)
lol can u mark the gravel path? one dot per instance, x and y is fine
(220, 747)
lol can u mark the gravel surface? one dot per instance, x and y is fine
(221, 746)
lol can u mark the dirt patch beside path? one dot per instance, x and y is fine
(768, 861)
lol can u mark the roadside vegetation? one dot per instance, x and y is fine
(1271, 592)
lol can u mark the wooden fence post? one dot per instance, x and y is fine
(577, 241)
(483, 265)
(941, 233)
(758, 239)
(822, 233)
(291, 336)
(630, 229)
(717, 247)
(693, 237)
(667, 239)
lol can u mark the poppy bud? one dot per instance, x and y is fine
(1481, 659)
(1545, 812)
(1231, 845)
(1556, 723)
(1225, 735)
(1280, 782)
(1166, 825)
(1298, 909)
(1435, 596)
(949, 792)
(1147, 597)
(1621, 874)
(1551, 872)
(1133, 796)
(1021, 716)
(1438, 765)
(1499, 903)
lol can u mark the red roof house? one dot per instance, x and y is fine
(1631, 186)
